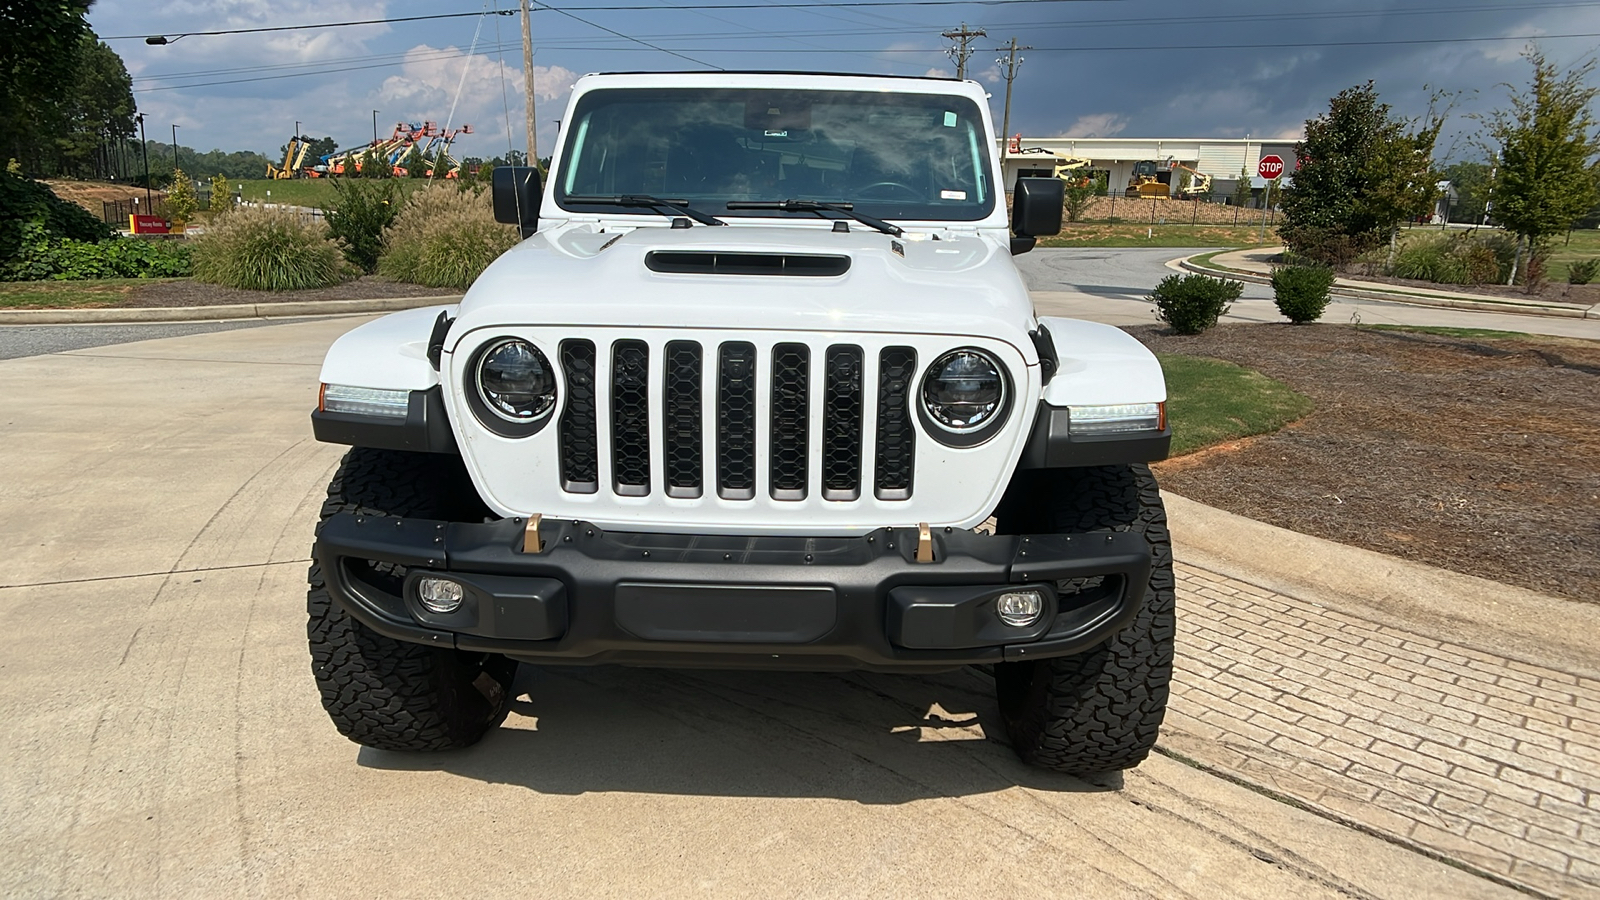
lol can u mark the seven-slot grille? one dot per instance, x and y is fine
(729, 399)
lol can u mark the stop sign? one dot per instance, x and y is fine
(1270, 167)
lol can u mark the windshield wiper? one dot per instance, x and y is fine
(645, 201)
(817, 206)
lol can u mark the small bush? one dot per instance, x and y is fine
(1193, 303)
(444, 237)
(1584, 270)
(63, 259)
(1301, 292)
(1455, 259)
(365, 210)
(264, 249)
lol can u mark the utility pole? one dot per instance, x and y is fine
(962, 52)
(174, 148)
(1010, 62)
(374, 128)
(527, 74)
(144, 150)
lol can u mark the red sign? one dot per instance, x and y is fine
(148, 225)
(1270, 167)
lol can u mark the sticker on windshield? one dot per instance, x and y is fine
(949, 120)
(952, 195)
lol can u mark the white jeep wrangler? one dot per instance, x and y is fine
(761, 388)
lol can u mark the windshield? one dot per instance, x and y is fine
(892, 155)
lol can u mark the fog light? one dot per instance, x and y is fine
(440, 595)
(1019, 608)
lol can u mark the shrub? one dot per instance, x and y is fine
(63, 259)
(1193, 303)
(1455, 259)
(1301, 292)
(444, 237)
(1584, 270)
(25, 202)
(267, 250)
(365, 210)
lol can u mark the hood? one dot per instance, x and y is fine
(959, 284)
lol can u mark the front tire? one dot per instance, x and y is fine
(384, 693)
(1100, 710)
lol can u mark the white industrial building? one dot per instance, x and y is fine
(1221, 158)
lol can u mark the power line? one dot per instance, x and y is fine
(698, 62)
(135, 37)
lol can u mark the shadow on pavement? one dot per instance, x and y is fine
(873, 739)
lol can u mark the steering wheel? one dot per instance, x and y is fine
(907, 189)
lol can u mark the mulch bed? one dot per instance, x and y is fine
(186, 292)
(1481, 456)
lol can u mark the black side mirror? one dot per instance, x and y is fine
(517, 191)
(1036, 207)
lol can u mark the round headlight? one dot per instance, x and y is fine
(964, 390)
(515, 381)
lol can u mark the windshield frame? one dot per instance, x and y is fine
(966, 110)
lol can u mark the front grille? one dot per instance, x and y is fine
(776, 417)
(630, 418)
(789, 450)
(680, 427)
(897, 366)
(577, 446)
(841, 424)
(736, 421)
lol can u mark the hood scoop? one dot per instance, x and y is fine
(716, 262)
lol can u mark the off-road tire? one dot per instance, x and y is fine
(1100, 710)
(389, 694)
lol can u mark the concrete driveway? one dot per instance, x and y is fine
(163, 736)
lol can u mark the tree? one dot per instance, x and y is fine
(97, 113)
(1470, 180)
(1077, 195)
(39, 45)
(1241, 188)
(1361, 172)
(181, 199)
(1545, 147)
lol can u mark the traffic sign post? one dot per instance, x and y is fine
(1269, 168)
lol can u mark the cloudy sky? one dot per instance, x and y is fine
(1147, 68)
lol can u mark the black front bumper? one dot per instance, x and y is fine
(748, 602)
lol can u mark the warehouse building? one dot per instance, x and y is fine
(1120, 159)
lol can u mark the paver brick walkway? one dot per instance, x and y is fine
(1484, 759)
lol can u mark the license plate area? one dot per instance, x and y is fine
(726, 614)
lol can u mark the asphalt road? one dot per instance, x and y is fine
(18, 341)
(164, 738)
(1111, 285)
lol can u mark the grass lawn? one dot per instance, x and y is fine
(1210, 401)
(63, 294)
(1126, 234)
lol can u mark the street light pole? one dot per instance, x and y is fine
(144, 150)
(174, 148)
(374, 128)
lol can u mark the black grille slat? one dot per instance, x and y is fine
(680, 425)
(896, 445)
(789, 451)
(736, 421)
(630, 418)
(841, 423)
(578, 445)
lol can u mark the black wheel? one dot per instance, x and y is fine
(1101, 710)
(385, 693)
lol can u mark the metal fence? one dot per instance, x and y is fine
(116, 212)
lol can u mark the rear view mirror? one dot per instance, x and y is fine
(517, 192)
(1036, 207)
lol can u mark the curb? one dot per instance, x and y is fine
(286, 309)
(1521, 309)
(1497, 618)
